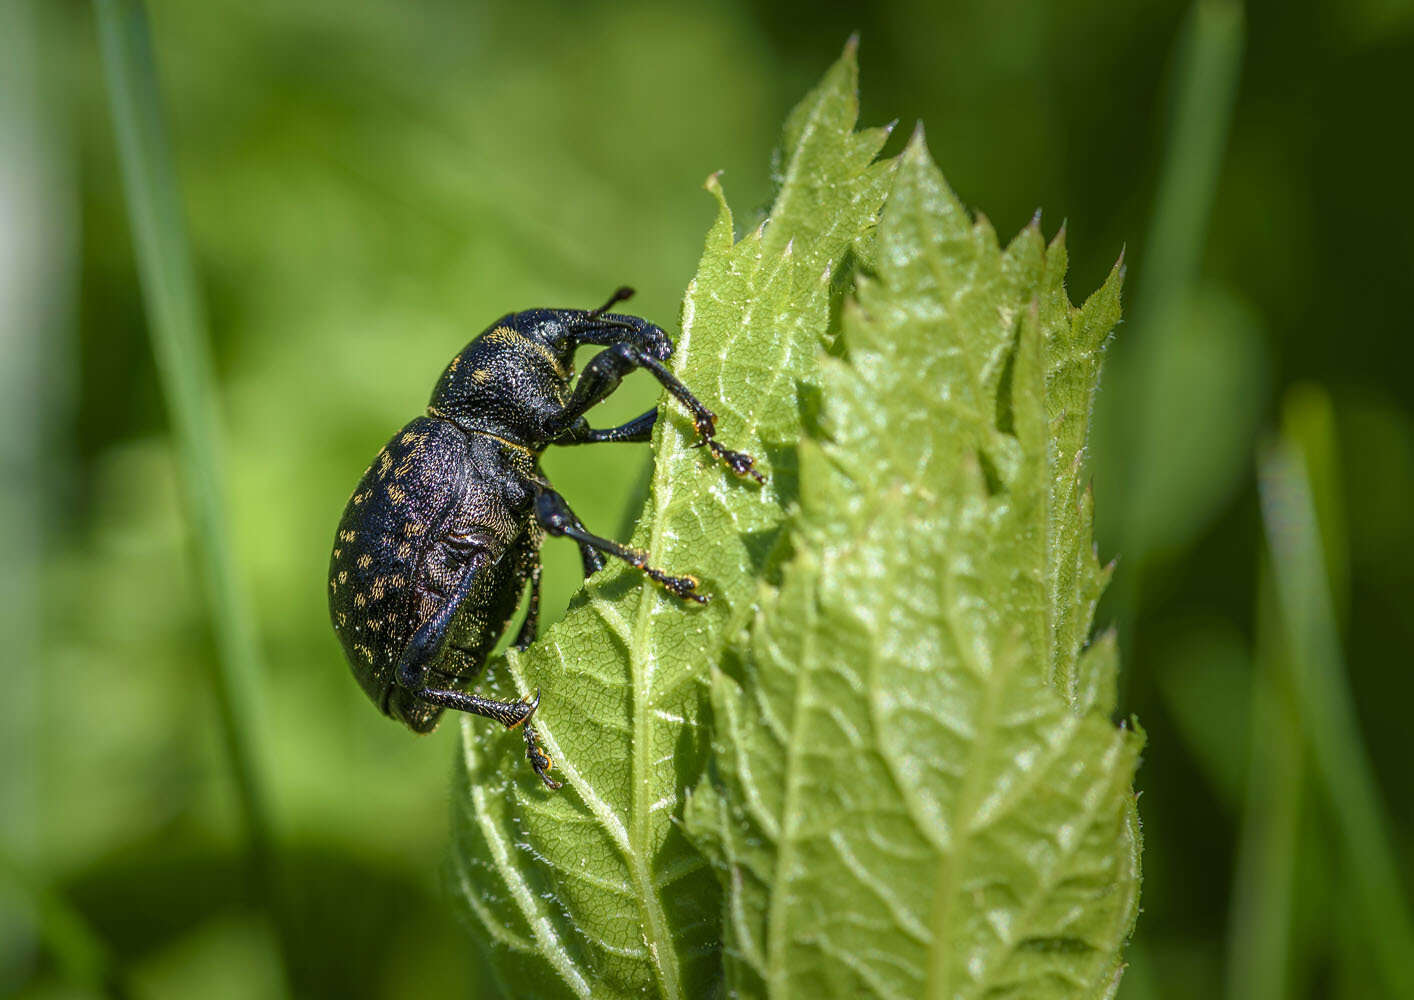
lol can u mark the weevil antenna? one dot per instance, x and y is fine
(621, 294)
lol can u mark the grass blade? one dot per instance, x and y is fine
(1327, 714)
(1148, 406)
(177, 326)
(1209, 64)
(81, 955)
(1259, 933)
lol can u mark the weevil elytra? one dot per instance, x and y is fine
(443, 532)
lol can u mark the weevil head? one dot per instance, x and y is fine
(520, 367)
(509, 376)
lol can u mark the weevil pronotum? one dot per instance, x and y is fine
(443, 532)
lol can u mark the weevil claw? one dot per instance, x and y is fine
(539, 759)
(531, 704)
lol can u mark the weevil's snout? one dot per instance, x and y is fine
(400, 704)
(656, 343)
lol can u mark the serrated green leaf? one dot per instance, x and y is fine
(916, 788)
(1074, 340)
(596, 891)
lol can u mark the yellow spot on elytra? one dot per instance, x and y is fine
(414, 528)
(481, 375)
(338, 552)
(343, 619)
(396, 494)
(456, 362)
(385, 462)
(365, 561)
(379, 586)
(360, 600)
(343, 576)
(398, 580)
(360, 497)
(405, 551)
(408, 437)
(347, 536)
(333, 587)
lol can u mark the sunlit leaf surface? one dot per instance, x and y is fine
(595, 890)
(917, 790)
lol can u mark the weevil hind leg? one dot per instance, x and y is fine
(539, 759)
(508, 713)
(590, 558)
(427, 645)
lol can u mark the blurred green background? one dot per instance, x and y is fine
(366, 185)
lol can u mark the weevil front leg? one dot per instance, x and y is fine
(606, 370)
(640, 428)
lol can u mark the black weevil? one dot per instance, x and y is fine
(444, 529)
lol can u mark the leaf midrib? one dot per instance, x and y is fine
(655, 923)
(953, 855)
(776, 972)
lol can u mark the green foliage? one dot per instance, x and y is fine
(177, 325)
(1294, 479)
(917, 789)
(1177, 436)
(908, 781)
(597, 888)
(363, 191)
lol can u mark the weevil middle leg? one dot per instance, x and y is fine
(556, 518)
(530, 627)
